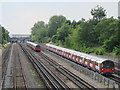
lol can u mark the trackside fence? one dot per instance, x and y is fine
(108, 83)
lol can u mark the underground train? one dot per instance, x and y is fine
(100, 65)
(34, 46)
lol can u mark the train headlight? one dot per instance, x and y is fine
(112, 69)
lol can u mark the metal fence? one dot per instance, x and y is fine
(108, 83)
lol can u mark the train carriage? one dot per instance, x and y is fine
(34, 46)
(103, 66)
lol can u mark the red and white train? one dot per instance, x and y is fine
(34, 46)
(103, 66)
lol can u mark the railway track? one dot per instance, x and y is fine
(19, 79)
(13, 75)
(116, 78)
(50, 79)
(117, 64)
(74, 78)
(5, 57)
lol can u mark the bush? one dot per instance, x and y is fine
(88, 50)
(110, 43)
(100, 51)
(116, 50)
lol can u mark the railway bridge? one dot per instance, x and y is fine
(19, 37)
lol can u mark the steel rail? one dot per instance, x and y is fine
(115, 78)
(74, 78)
(5, 57)
(53, 79)
(18, 67)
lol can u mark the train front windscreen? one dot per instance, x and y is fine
(37, 46)
(108, 64)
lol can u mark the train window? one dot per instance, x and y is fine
(81, 58)
(91, 61)
(108, 64)
(85, 59)
(96, 63)
(37, 46)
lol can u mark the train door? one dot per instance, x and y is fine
(81, 60)
(78, 59)
(88, 60)
(66, 54)
(93, 65)
(69, 56)
(74, 58)
(97, 66)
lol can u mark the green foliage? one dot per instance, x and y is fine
(116, 50)
(88, 34)
(98, 35)
(4, 35)
(74, 38)
(73, 24)
(110, 44)
(39, 32)
(100, 51)
(61, 34)
(98, 13)
(55, 22)
(106, 28)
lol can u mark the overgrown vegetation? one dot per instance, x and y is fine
(4, 35)
(98, 35)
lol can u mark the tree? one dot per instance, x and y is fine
(63, 32)
(55, 22)
(111, 43)
(88, 34)
(4, 35)
(0, 34)
(105, 29)
(37, 26)
(98, 13)
(74, 23)
(74, 39)
(39, 31)
(68, 22)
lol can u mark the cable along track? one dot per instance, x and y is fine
(50, 79)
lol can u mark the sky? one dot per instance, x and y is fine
(19, 17)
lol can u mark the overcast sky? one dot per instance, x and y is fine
(19, 17)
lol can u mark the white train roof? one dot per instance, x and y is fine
(34, 44)
(84, 55)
